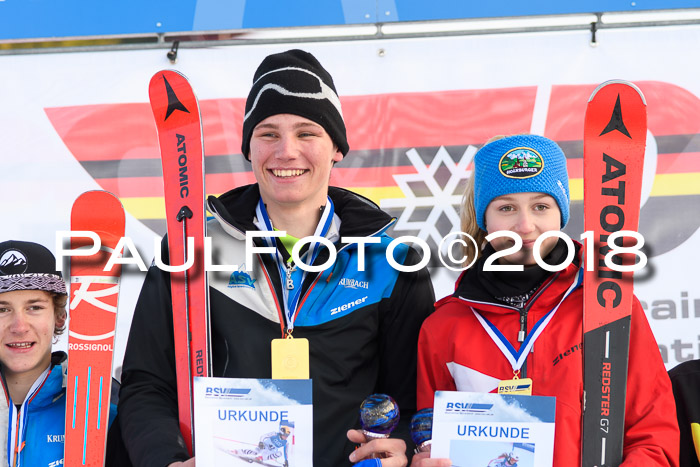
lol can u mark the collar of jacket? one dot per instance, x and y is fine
(555, 285)
(360, 217)
(55, 384)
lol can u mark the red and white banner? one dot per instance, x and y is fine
(416, 110)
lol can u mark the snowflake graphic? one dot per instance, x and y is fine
(441, 200)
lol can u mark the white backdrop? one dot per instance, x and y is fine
(42, 173)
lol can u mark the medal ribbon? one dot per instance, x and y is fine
(291, 302)
(517, 358)
(18, 418)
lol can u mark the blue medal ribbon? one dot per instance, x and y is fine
(18, 417)
(292, 302)
(517, 357)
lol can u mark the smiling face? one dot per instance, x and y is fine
(292, 159)
(527, 214)
(27, 323)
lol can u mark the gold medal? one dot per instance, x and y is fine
(517, 385)
(290, 358)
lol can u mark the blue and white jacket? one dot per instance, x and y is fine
(34, 432)
(33, 435)
(362, 328)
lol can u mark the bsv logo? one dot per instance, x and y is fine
(241, 278)
(468, 407)
(354, 284)
(226, 393)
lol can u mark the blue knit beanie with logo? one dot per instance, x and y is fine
(520, 164)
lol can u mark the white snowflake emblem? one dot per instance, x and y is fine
(440, 199)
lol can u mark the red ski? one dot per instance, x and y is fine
(613, 158)
(92, 320)
(176, 113)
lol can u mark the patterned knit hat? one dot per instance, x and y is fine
(294, 82)
(28, 266)
(520, 164)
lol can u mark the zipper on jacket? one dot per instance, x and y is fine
(521, 336)
(523, 325)
(289, 269)
(289, 283)
(523, 319)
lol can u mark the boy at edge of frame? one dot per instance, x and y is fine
(293, 134)
(455, 353)
(33, 299)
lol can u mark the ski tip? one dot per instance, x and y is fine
(618, 81)
(157, 76)
(156, 82)
(103, 205)
(99, 211)
(104, 196)
(167, 73)
(170, 90)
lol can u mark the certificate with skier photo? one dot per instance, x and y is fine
(244, 422)
(493, 430)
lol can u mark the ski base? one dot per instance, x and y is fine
(92, 315)
(176, 112)
(614, 144)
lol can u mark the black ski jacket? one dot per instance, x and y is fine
(685, 379)
(362, 329)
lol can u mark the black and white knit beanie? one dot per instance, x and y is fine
(294, 82)
(28, 266)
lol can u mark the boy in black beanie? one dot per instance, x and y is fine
(361, 316)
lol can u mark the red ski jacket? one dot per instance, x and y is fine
(455, 353)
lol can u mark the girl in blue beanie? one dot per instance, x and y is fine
(517, 312)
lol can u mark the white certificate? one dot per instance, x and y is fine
(493, 430)
(244, 422)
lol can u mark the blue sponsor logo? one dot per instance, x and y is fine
(468, 407)
(241, 279)
(230, 392)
